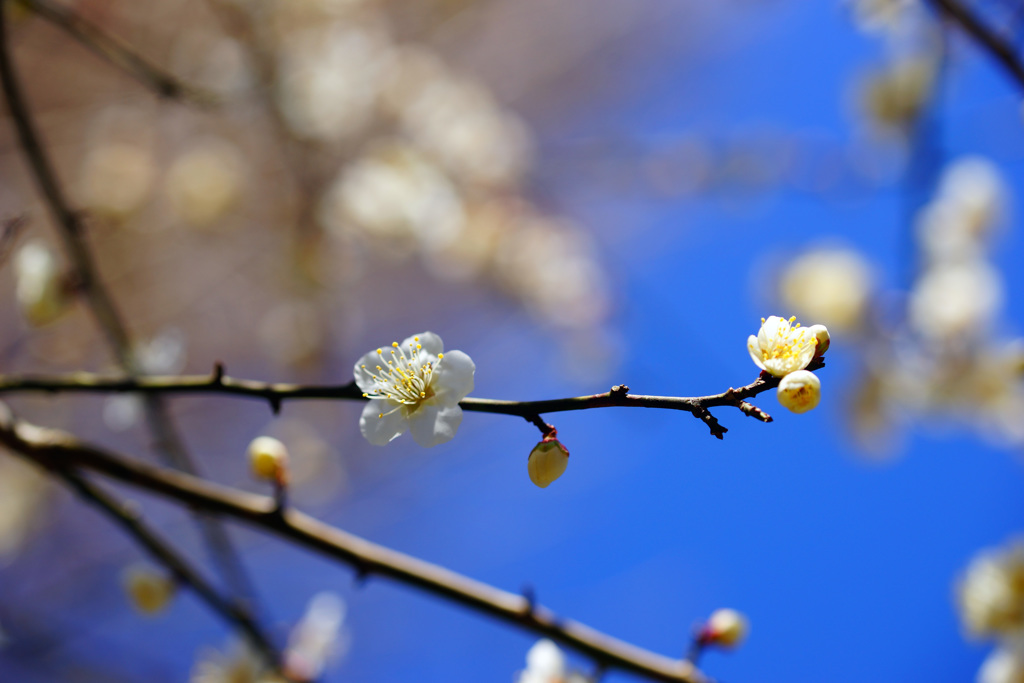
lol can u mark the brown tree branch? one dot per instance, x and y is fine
(71, 229)
(999, 49)
(129, 519)
(276, 393)
(57, 450)
(119, 54)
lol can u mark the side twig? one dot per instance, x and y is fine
(999, 49)
(276, 393)
(128, 519)
(168, 443)
(119, 54)
(57, 450)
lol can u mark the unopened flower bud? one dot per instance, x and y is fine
(548, 461)
(725, 628)
(40, 289)
(800, 391)
(149, 590)
(820, 333)
(268, 459)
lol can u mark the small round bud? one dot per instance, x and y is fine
(40, 288)
(820, 333)
(268, 459)
(800, 391)
(548, 461)
(150, 591)
(725, 628)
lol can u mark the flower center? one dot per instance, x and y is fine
(405, 377)
(789, 343)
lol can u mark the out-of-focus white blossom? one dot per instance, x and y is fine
(293, 332)
(240, 664)
(413, 386)
(328, 80)
(545, 663)
(164, 354)
(23, 495)
(831, 285)
(894, 95)
(317, 639)
(991, 593)
(956, 301)
(395, 194)
(205, 182)
(1004, 665)
(780, 348)
(116, 178)
(39, 284)
(800, 391)
(150, 591)
(547, 462)
(976, 188)
(880, 15)
(461, 125)
(268, 459)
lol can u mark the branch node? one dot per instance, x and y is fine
(717, 430)
(275, 404)
(753, 411)
(530, 596)
(619, 392)
(217, 378)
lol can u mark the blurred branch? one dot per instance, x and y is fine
(59, 451)
(277, 393)
(119, 54)
(1001, 50)
(128, 519)
(71, 229)
(9, 235)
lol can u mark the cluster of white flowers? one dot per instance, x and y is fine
(990, 596)
(784, 350)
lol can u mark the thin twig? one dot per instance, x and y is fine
(9, 235)
(168, 444)
(119, 54)
(277, 393)
(59, 450)
(128, 519)
(1001, 50)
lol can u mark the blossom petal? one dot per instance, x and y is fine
(430, 342)
(362, 376)
(755, 352)
(431, 425)
(453, 378)
(380, 430)
(771, 330)
(807, 344)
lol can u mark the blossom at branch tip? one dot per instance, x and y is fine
(413, 386)
(800, 391)
(780, 347)
(547, 462)
(725, 628)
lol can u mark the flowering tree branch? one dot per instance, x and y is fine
(61, 452)
(276, 393)
(119, 54)
(71, 229)
(998, 48)
(129, 519)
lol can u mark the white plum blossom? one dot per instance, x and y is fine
(316, 639)
(413, 386)
(725, 628)
(545, 663)
(1004, 665)
(991, 593)
(780, 348)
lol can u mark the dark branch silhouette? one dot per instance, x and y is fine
(276, 393)
(60, 451)
(998, 48)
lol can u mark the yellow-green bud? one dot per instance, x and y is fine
(268, 459)
(548, 461)
(800, 391)
(149, 590)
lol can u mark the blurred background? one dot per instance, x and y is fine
(576, 194)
